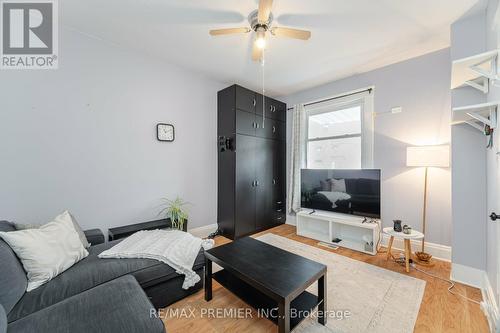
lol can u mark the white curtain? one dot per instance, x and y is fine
(297, 160)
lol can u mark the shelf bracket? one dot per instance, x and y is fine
(487, 75)
(483, 87)
(480, 118)
(475, 125)
(477, 116)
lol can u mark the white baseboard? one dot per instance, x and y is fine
(203, 231)
(438, 251)
(489, 304)
(467, 275)
(479, 278)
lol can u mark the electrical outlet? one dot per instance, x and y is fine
(397, 109)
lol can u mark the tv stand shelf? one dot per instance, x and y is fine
(326, 226)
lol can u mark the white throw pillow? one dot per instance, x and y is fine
(47, 251)
(64, 215)
(338, 185)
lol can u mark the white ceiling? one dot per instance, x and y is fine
(348, 36)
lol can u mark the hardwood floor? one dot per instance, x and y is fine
(440, 311)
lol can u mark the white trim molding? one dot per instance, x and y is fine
(438, 251)
(479, 278)
(489, 304)
(291, 220)
(467, 275)
(203, 231)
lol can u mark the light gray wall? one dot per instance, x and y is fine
(492, 164)
(422, 87)
(83, 138)
(468, 156)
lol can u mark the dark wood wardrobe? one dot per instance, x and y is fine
(251, 162)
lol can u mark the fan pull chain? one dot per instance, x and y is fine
(263, 87)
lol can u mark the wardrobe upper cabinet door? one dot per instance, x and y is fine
(279, 130)
(281, 109)
(259, 104)
(270, 128)
(246, 100)
(245, 123)
(264, 127)
(275, 109)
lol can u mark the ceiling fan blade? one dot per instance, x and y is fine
(264, 10)
(218, 32)
(291, 33)
(256, 52)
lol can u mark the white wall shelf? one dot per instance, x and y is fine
(475, 71)
(326, 226)
(477, 115)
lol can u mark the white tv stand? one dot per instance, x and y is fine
(326, 226)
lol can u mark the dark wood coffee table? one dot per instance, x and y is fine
(271, 280)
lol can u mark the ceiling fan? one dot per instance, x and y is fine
(260, 22)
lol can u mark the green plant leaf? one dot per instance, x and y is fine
(175, 210)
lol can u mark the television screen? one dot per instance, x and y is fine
(355, 192)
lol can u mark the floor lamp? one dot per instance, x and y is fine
(427, 156)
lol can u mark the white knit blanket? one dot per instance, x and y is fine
(175, 248)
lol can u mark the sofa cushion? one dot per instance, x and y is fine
(117, 306)
(3, 320)
(13, 281)
(93, 271)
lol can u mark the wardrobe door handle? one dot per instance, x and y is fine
(257, 125)
(256, 183)
(278, 202)
(274, 129)
(279, 210)
(254, 102)
(274, 181)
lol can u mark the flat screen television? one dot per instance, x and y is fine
(355, 192)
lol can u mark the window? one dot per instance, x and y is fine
(337, 137)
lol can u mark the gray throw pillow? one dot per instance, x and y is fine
(78, 229)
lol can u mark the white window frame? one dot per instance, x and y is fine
(364, 99)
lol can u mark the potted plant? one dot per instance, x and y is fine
(177, 213)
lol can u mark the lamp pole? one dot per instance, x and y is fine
(425, 208)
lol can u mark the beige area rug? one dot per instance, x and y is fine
(378, 300)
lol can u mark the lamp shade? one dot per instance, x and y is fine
(428, 156)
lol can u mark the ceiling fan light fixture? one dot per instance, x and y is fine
(260, 39)
(261, 21)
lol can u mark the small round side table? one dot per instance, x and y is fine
(407, 238)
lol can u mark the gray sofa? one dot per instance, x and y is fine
(94, 295)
